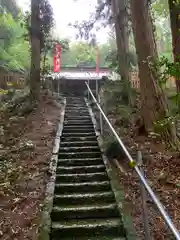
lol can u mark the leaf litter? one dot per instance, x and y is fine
(25, 148)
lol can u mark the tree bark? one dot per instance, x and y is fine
(153, 102)
(119, 9)
(174, 9)
(35, 51)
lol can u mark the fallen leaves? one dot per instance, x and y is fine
(25, 149)
(162, 168)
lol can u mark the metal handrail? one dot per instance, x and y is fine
(158, 204)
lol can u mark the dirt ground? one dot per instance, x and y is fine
(25, 149)
(162, 171)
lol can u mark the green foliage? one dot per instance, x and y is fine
(160, 126)
(165, 69)
(14, 50)
(160, 12)
(161, 8)
(113, 58)
(82, 52)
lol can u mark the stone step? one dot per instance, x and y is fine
(77, 114)
(80, 126)
(78, 139)
(78, 149)
(81, 177)
(74, 101)
(78, 130)
(79, 135)
(76, 107)
(84, 211)
(88, 227)
(92, 238)
(77, 117)
(81, 169)
(77, 122)
(80, 162)
(88, 154)
(79, 144)
(76, 111)
(84, 198)
(64, 188)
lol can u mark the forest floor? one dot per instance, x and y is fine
(162, 167)
(26, 144)
(25, 148)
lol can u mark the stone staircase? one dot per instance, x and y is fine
(84, 205)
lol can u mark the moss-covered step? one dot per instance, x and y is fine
(73, 149)
(102, 210)
(78, 134)
(79, 143)
(88, 228)
(91, 238)
(80, 169)
(88, 154)
(84, 198)
(64, 188)
(77, 130)
(78, 138)
(82, 177)
(77, 122)
(80, 161)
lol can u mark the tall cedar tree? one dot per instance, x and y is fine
(35, 50)
(153, 102)
(174, 9)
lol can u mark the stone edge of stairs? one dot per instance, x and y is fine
(45, 217)
(117, 190)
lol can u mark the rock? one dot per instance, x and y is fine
(27, 145)
(114, 151)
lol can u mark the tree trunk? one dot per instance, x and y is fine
(153, 102)
(35, 51)
(119, 9)
(174, 9)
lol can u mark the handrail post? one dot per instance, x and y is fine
(97, 89)
(144, 200)
(88, 90)
(100, 116)
(58, 87)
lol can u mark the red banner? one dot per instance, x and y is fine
(57, 58)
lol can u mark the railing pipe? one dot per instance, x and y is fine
(147, 234)
(158, 204)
